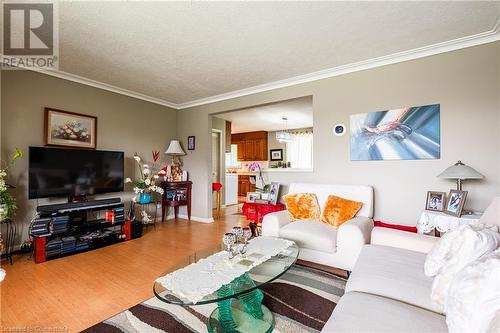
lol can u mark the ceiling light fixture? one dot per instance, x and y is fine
(283, 136)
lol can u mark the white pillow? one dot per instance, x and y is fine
(472, 242)
(473, 302)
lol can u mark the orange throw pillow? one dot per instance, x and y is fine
(302, 206)
(339, 210)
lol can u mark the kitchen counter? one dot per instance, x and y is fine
(243, 173)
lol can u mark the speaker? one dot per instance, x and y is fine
(136, 229)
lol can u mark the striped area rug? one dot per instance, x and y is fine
(301, 300)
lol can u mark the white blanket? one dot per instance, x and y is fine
(454, 251)
(473, 302)
(200, 279)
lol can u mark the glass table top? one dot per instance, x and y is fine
(260, 275)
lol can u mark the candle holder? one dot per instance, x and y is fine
(229, 239)
(247, 234)
(238, 232)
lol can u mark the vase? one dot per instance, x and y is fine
(144, 198)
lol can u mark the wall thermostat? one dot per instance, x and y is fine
(339, 129)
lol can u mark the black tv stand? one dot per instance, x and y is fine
(74, 227)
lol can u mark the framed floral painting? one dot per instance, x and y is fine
(69, 129)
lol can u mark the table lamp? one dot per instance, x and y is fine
(460, 172)
(175, 150)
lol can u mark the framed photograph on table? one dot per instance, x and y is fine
(273, 193)
(435, 201)
(69, 129)
(252, 196)
(276, 154)
(455, 203)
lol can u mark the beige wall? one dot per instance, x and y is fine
(124, 124)
(464, 82)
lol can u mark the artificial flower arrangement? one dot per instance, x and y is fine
(256, 167)
(146, 184)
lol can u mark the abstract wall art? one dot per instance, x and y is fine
(410, 133)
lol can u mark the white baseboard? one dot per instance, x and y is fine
(193, 218)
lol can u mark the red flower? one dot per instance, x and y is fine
(156, 155)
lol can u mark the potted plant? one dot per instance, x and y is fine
(7, 201)
(145, 186)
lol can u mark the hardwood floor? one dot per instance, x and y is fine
(72, 293)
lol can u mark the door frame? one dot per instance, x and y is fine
(222, 171)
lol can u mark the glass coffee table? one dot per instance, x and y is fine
(239, 303)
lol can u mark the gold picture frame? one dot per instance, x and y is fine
(69, 129)
(435, 201)
(455, 203)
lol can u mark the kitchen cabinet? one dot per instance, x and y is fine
(228, 137)
(244, 185)
(252, 146)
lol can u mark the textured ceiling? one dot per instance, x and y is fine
(183, 51)
(299, 112)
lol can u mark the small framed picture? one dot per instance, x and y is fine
(69, 129)
(455, 203)
(276, 154)
(252, 196)
(435, 201)
(191, 142)
(273, 193)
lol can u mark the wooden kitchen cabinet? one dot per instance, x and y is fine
(252, 146)
(244, 185)
(228, 137)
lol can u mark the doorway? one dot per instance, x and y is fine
(216, 161)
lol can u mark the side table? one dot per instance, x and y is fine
(147, 208)
(255, 212)
(176, 194)
(442, 222)
(9, 237)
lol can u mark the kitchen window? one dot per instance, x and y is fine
(232, 158)
(299, 150)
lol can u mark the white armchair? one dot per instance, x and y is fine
(321, 243)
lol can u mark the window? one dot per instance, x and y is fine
(299, 151)
(232, 158)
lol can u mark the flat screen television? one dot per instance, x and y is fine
(56, 172)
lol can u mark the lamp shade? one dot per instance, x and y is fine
(175, 148)
(460, 171)
(491, 215)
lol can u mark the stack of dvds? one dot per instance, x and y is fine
(40, 227)
(119, 215)
(82, 244)
(68, 244)
(53, 247)
(59, 225)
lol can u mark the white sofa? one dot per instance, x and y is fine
(387, 290)
(319, 242)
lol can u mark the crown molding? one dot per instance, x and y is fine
(443, 47)
(490, 36)
(104, 86)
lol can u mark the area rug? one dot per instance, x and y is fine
(301, 300)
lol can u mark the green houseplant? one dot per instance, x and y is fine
(7, 201)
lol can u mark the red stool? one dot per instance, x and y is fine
(217, 187)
